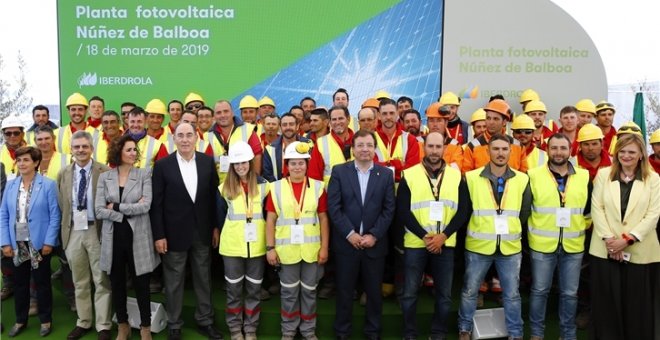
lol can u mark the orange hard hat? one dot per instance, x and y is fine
(371, 102)
(499, 106)
(433, 111)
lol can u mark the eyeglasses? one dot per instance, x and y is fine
(524, 132)
(193, 106)
(602, 105)
(629, 128)
(500, 185)
(12, 133)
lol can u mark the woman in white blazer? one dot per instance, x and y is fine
(123, 199)
(625, 266)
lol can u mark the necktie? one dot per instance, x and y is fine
(82, 187)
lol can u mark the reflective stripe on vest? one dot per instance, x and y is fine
(555, 234)
(60, 138)
(273, 160)
(233, 242)
(150, 153)
(493, 237)
(307, 239)
(327, 170)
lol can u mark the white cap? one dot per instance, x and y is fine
(12, 121)
(240, 152)
(297, 150)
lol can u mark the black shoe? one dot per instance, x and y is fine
(175, 334)
(210, 332)
(16, 330)
(342, 337)
(45, 330)
(104, 335)
(78, 333)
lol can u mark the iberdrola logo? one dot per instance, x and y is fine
(87, 79)
(470, 92)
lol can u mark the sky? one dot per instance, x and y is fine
(624, 32)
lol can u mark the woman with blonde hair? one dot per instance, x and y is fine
(242, 239)
(625, 266)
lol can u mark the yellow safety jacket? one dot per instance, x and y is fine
(421, 196)
(240, 133)
(481, 236)
(285, 204)
(544, 234)
(63, 138)
(57, 162)
(149, 147)
(332, 155)
(232, 240)
(536, 158)
(11, 170)
(399, 144)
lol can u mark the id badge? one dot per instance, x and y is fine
(501, 224)
(80, 220)
(250, 232)
(297, 234)
(22, 233)
(224, 164)
(436, 210)
(563, 217)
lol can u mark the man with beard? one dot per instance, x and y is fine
(77, 106)
(274, 168)
(592, 155)
(604, 119)
(394, 149)
(308, 104)
(434, 204)
(556, 233)
(111, 129)
(150, 148)
(41, 117)
(318, 123)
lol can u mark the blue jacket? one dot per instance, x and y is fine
(43, 215)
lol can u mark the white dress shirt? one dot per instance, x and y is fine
(189, 174)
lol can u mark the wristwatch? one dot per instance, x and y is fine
(630, 240)
(269, 248)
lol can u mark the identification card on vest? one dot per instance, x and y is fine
(563, 217)
(501, 224)
(250, 232)
(80, 220)
(224, 163)
(297, 234)
(436, 211)
(22, 233)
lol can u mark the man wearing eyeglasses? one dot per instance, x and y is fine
(556, 233)
(604, 119)
(523, 128)
(12, 129)
(126, 107)
(193, 102)
(367, 119)
(500, 198)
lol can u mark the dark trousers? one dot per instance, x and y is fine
(41, 275)
(122, 256)
(370, 272)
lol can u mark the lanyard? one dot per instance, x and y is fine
(458, 133)
(27, 200)
(435, 183)
(225, 145)
(298, 205)
(249, 205)
(561, 189)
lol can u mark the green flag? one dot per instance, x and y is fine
(638, 113)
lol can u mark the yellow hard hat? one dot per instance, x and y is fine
(655, 137)
(77, 99)
(523, 122)
(382, 94)
(603, 105)
(589, 132)
(449, 98)
(265, 100)
(535, 105)
(478, 115)
(248, 102)
(156, 106)
(586, 105)
(192, 97)
(529, 95)
(629, 127)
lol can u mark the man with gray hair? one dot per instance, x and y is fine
(81, 237)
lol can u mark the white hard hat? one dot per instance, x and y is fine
(12, 121)
(240, 152)
(297, 150)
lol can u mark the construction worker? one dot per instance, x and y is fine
(412, 123)
(627, 127)
(478, 122)
(556, 235)
(41, 117)
(592, 155)
(77, 106)
(273, 164)
(110, 129)
(604, 119)
(437, 119)
(51, 161)
(297, 238)
(126, 107)
(332, 149)
(249, 107)
(319, 122)
(308, 104)
(300, 115)
(266, 106)
(586, 110)
(271, 123)
(456, 128)
(193, 102)
(527, 96)
(523, 128)
(537, 111)
(404, 104)
(156, 112)
(476, 153)
(367, 119)
(228, 130)
(175, 110)
(394, 148)
(569, 118)
(654, 159)
(13, 131)
(96, 109)
(501, 200)
(150, 148)
(434, 204)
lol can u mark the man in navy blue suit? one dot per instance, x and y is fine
(361, 207)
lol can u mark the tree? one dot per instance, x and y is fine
(651, 93)
(14, 97)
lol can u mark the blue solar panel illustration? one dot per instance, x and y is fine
(397, 51)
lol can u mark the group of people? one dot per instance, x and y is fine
(361, 201)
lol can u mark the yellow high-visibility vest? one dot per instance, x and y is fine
(57, 162)
(232, 240)
(332, 155)
(536, 158)
(63, 138)
(149, 147)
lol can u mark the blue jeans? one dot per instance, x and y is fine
(543, 267)
(508, 270)
(442, 269)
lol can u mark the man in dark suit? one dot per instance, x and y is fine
(361, 207)
(183, 215)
